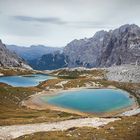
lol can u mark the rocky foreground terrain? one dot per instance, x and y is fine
(124, 73)
(13, 131)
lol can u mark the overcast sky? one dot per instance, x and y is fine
(57, 22)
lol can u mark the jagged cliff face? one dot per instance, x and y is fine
(86, 52)
(123, 47)
(9, 59)
(104, 49)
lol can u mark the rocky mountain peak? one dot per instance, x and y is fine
(104, 49)
(9, 59)
(100, 34)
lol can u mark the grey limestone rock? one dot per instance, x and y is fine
(10, 59)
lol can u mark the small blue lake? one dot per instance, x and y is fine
(25, 80)
(91, 100)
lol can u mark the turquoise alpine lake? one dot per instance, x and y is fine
(91, 100)
(25, 80)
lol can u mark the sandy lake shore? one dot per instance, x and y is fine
(35, 102)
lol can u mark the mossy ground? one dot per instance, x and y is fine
(72, 74)
(15, 71)
(11, 112)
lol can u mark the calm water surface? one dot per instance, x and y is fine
(25, 81)
(91, 100)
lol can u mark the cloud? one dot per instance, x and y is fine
(89, 24)
(53, 20)
(80, 24)
(56, 20)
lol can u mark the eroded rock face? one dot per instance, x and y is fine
(123, 48)
(86, 52)
(104, 49)
(9, 59)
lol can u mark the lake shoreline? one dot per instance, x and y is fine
(27, 81)
(35, 102)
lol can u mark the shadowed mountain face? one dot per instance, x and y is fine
(49, 61)
(104, 49)
(10, 59)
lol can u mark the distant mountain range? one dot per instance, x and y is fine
(10, 59)
(104, 49)
(32, 52)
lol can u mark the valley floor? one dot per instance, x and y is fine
(18, 120)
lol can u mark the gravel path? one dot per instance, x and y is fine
(14, 131)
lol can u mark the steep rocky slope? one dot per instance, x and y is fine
(104, 49)
(9, 59)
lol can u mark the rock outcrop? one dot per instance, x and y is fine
(104, 49)
(124, 73)
(9, 59)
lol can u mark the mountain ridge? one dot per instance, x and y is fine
(104, 49)
(32, 52)
(10, 59)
